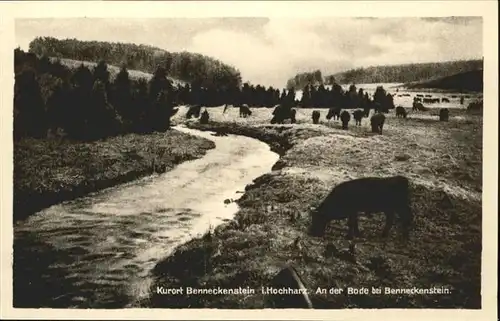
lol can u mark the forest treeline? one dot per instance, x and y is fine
(189, 67)
(405, 73)
(85, 103)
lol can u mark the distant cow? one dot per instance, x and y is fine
(280, 114)
(390, 195)
(204, 117)
(377, 122)
(401, 112)
(345, 117)
(445, 100)
(444, 114)
(476, 106)
(245, 111)
(431, 100)
(358, 116)
(193, 111)
(333, 113)
(366, 110)
(419, 95)
(419, 106)
(315, 116)
(428, 95)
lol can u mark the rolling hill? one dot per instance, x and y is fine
(406, 73)
(465, 81)
(184, 66)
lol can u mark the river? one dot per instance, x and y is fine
(98, 251)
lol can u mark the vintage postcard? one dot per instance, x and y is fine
(249, 158)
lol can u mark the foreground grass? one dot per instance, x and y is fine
(50, 171)
(443, 163)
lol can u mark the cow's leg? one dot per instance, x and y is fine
(389, 221)
(356, 225)
(351, 223)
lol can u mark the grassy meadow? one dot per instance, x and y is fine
(443, 161)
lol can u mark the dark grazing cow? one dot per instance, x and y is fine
(445, 100)
(245, 111)
(444, 114)
(280, 114)
(377, 123)
(390, 195)
(476, 106)
(418, 106)
(315, 116)
(431, 100)
(358, 116)
(334, 113)
(345, 117)
(401, 112)
(193, 111)
(420, 95)
(204, 117)
(366, 110)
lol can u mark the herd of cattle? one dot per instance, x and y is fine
(390, 195)
(282, 113)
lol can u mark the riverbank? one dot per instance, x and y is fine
(50, 171)
(442, 161)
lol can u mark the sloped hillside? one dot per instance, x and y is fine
(185, 66)
(465, 81)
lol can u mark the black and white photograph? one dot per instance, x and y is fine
(249, 162)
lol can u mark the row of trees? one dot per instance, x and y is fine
(387, 74)
(87, 105)
(313, 78)
(322, 97)
(185, 66)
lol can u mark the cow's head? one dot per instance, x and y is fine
(318, 223)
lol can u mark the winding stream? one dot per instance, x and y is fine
(98, 251)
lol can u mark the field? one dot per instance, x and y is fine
(443, 161)
(52, 170)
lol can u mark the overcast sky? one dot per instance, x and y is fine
(270, 51)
